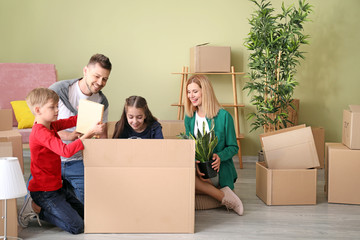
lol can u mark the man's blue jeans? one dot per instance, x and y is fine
(72, 173)
(62, 209)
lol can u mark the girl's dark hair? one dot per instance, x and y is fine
(137, 102)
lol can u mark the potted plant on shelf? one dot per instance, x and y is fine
(205, 143)
(274, 42)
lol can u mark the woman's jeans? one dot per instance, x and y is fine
(62, 209)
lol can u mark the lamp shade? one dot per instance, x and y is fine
(12, 184)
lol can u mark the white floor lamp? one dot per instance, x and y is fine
(12, 184)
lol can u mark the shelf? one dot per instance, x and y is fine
(212, 73)
(222, 104)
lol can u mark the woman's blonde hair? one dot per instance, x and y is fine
(38, 97)
(209, 101)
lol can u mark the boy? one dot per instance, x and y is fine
(57, 205)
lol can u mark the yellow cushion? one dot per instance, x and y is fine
(23, 115)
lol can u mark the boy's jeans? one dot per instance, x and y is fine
(61, 209)
(72, 172)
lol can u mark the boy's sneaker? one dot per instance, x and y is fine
(232, 201)
(27, 213)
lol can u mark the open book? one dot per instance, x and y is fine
(89, 114)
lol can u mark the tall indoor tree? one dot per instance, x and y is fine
(274, 42)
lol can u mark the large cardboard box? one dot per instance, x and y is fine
(351, 127)
(6, 119)
(342, 174)
(319, 139)
(210, 59)
(139, 185)
(12, 227)
(285, 186)
(290, 148)
(14, 137)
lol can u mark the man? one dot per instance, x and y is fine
(96, 75)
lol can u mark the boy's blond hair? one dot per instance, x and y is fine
(38, 97)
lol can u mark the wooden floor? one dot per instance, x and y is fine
(320, 221)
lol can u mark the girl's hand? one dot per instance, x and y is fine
(216, 163)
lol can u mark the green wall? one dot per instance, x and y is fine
(148, 40)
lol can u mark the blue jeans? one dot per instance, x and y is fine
(61, 209)
(72, 173)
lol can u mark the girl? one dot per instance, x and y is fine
(201, 106)
(137, 121)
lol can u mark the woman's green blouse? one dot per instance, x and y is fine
(227, 145)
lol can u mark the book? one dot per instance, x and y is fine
(89, 114)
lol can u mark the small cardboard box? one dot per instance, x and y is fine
(139, 186)
(12, 228)
(172, 128)
(290, 148)
(285, 186)
(319, 139)
(210, 59)
(6, 119)
(351, 127)
(342, 174)
(14, 137)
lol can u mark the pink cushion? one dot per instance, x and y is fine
(18, 79)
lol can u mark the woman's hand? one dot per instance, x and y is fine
(216, 164)
(198, 173)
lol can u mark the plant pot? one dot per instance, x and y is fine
(207, 169)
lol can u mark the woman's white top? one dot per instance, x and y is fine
(199, 123)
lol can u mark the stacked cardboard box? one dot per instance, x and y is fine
(205, 58)
(287, 176)
(6, 151)
(8, 134)
(342, 168)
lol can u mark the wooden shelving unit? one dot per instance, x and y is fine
(235, 105)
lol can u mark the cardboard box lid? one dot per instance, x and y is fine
(167, 152)
(10, 133)
(291, 148)
(354, 108)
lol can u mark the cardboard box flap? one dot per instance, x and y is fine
(279, 131)
(290, 149)
(354, 108)
(167, 154)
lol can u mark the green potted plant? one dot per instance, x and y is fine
(205, 143)
(274, 42)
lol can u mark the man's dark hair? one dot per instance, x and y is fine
(100, 59)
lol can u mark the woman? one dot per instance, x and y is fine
(201, 106)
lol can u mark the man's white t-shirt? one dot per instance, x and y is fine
(75, 95)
